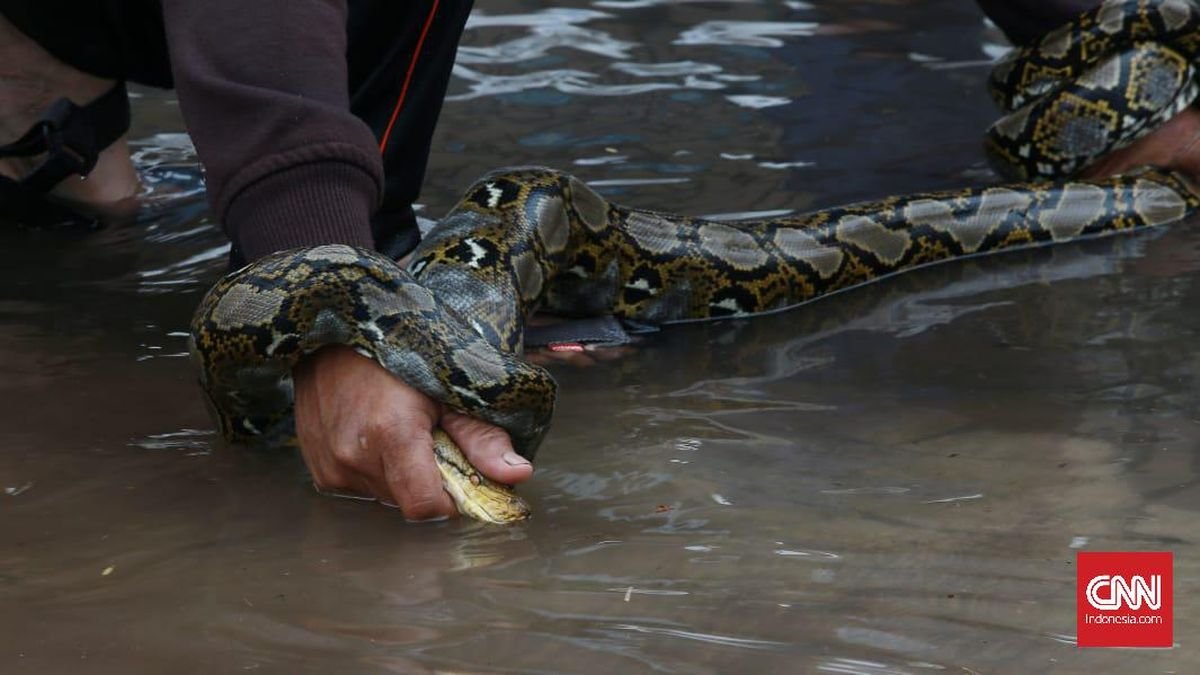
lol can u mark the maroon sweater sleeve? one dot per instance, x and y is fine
(263, 90)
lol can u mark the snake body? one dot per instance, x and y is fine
(529, 239)
(1093, 85)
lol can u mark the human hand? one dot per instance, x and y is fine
(580, 356)
(365, 433)
(1175, 145)
(575, 354)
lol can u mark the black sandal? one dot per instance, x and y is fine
(72, 138)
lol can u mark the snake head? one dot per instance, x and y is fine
(474, 494)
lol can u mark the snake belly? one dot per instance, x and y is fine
(528, 239)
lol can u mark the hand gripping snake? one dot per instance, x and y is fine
(532, 239)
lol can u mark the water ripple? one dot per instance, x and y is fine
(642, 4)
(506, 65)
(850, 666)
(671, 69)
(189, 271)
(746, 33)
(755, 101)
(711, 638)
(544, 38)
(565, 81)
(194, 441)
(547, 17)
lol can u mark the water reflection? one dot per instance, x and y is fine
(890, 480)
(745, 33)
(553, 32)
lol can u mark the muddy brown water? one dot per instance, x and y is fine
(893, 480)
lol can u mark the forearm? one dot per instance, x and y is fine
(263, 90)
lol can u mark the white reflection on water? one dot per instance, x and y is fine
(671, 69)
(755, 101)
(877, 638)
(547, 17)
(599, 161)
(746, 33)
(800, 553)
(615, 182)
(640, 4)
(565, 81)
(859, 667)
(544, 38)
(163, 148)
(183, 271)
(723, 640)
(196, 442)
(787, 165)
(504, 66)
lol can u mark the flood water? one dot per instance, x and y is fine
(892, 480)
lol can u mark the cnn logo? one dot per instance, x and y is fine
(1112, 592)
(1124, 599)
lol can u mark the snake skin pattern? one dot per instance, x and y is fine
(1092, 86)
(528, 239)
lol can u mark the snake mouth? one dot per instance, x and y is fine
(475, 495)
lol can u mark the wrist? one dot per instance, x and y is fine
(328, 202)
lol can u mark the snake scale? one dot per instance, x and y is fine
(533, 239)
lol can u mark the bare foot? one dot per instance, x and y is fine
(1175, 145)
(31, 79)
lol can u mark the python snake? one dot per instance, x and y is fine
(532, 239)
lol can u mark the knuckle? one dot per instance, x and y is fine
(419, 492)
(350, 454)
(332, 479)
(422, 507)
(491, 433)
(392, 431)
(480, 438)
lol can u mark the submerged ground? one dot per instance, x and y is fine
(894, 480)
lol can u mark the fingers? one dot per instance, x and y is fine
(488, 448)
(395, 468)
(392, 464)
(590, 355)
(1175, 145)
(332, 473)
(408, 474)
(546, 357)
(364, 432)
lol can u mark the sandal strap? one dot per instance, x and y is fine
(72, 137)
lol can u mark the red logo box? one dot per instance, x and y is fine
(1124, 599)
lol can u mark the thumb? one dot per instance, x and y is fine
(488, 448)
